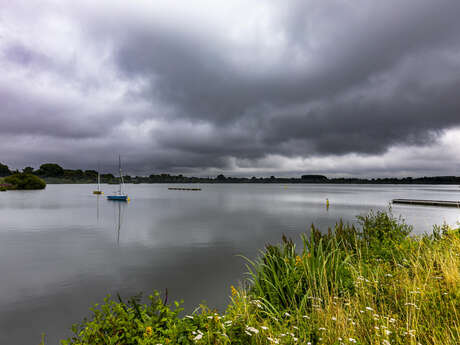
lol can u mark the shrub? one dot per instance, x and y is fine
(24, 181)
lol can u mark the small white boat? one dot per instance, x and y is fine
(120, 195)
(98, 191)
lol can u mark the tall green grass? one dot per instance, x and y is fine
(365, 284)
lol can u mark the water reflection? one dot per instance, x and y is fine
(119, 217)
(97, 208)
(57, 258)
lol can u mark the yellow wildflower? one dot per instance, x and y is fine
(148, 330)
(234, 291)
(298, 260)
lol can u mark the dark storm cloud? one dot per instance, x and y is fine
(303, 79)
(191, 73)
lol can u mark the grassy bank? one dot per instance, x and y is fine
(370, 284)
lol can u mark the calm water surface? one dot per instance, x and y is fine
(63, 249)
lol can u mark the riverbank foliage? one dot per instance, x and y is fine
(53, 173)
(24, 181)
(369, 284)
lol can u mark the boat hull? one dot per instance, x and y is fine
(97, 192)
(117, 197)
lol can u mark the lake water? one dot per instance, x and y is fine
(63, 249)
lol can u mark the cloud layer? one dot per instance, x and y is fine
(336, 87)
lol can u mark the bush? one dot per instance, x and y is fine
(24, 181)
(382, 232)
(130, 323)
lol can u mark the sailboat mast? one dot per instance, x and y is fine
(121, 176)
(98, 178)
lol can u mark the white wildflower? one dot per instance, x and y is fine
(252, 329)
(257, 303)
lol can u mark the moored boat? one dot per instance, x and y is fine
(120, 195)
(98, 191)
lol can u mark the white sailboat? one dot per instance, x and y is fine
(98, 191)
(121, 195)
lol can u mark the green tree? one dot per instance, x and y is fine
(28, 170)
(4, 170)
(50, 170)
(92, 174)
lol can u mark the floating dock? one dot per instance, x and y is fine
(191, 189)
(427, 202)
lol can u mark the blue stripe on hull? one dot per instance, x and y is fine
(117, 197)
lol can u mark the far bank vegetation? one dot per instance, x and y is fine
(54, 173)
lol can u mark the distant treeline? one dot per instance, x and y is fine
(53, 173)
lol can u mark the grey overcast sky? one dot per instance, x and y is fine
(269, 87)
